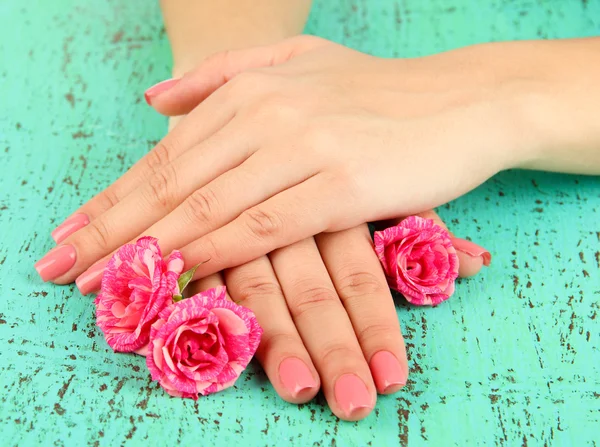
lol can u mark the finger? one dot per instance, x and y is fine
(179, 96)
(325, 330)
(213, 116)
(149, 203)
(204, 210)
(281, 351)
(224, 198)
(290, 216)
(361, 285)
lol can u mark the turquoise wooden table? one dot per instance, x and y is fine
(512, 359)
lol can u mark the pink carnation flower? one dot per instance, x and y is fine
(137, 284)
(201, 344)
(419, 260)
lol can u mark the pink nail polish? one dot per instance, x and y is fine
(90, 280)
(352, 395)
(159, 88)
(472, 249)
(69, 226)
(387, 372)
(57, 262)
(295, 376)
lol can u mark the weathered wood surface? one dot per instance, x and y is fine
(511, 360)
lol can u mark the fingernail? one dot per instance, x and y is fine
(295, 376)
(57, 262)
(90, 280)
(387, 372)
(69, 226)
(159, 88)
(472, 250)
(352, 395)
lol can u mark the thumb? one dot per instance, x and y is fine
(179, 96)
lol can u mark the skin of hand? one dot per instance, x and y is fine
(328, 318)
(320, 140)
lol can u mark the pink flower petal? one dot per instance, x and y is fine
(230, 321)
(136, 286)
(418, 259)
(200, 345)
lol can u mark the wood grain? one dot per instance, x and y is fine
(511, 360)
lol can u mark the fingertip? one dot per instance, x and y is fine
(91, 280)
(469, 265)
(357, 415)
(152, 93)
(297, 382)
(392, 389)
(353, 397)
(69, 226)
(389, 373)
(303, 396)
(173, 97)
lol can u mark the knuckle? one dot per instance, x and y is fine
(108, 198)
(381, 333)
(253, 287)
(221, 59)
(215, 256)
(99, 233)
(158, 157)
(311, 299)
(274, 107)
(201, 205)
(277, 341)
(360, 284)
(162, 186)
(263, 224)
(333, 352)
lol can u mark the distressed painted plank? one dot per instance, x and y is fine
(511, 360)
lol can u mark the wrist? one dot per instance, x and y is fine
(553, 91)
(198, 29)
(513, 79)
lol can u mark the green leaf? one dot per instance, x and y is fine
(177, 298)
(185, 279)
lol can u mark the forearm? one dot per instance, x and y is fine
(197, 29)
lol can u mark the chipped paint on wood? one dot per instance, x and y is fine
(511, 360)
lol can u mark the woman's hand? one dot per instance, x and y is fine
(328, 318)
(322, 140)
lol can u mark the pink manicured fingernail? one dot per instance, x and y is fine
(352, 395)
(90, 280)
(472, 249)
(57, 262)
(69, 226)
(387, 372)
(159, 88)
(295, 376)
